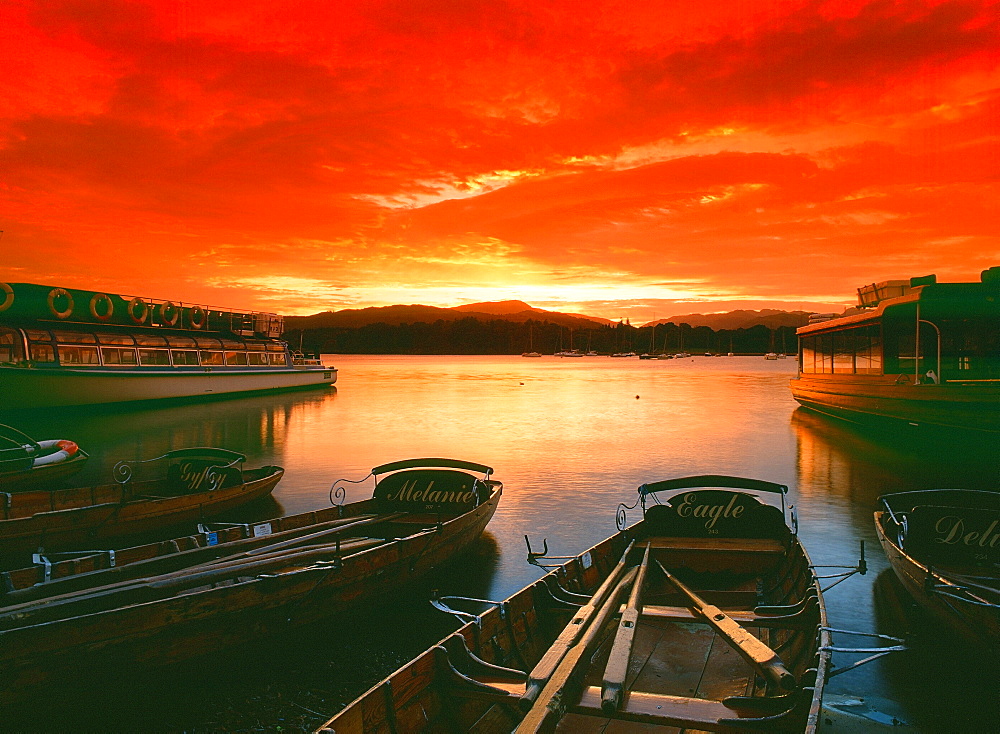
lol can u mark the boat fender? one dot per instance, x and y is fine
(8, 296)
(169, 313)
(138, 310)
(198, 317)
(101, 302)
(64, 450)
(60, 293)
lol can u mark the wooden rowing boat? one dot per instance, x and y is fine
(706, 615)
(944, 546)
(192, 484)
(161, 603)
(27, 463)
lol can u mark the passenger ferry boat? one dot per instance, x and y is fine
(918, 351)
(62, 347)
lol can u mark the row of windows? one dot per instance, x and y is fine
(69, 354)
(848, 351)
(151, 340)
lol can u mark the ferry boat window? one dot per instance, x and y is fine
(231, 344)
(277, 358)
(212, 358)
(74, 337)
(10, 350)
(154, 357)
(120, 339)
(275, 347)
(69, 354)
(150, 340)
(808, 359)
(256, 358)
(181, 341)
(206, 343)
(37, 336)
(184, 356)
(236, 358)
(824, 353)
(843, 351)
(256, 346)
(43, 352)
(117, 356)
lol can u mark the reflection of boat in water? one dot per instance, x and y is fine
(189, 484)
(197, 600)
(915, 351)
(25, 462)
(659, 589)
(944, 545)
(61, 347)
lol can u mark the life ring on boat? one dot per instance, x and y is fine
(198, 317)
(63, 450)
(99, 302)
(169, 313)
(8, 296)
(143, 313)
(60, 293)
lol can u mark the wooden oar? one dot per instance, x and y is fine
(613, 685)
(761, 657)
(551, 702)
(545, 667)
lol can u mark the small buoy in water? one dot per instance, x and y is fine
(636, 397)
(522, 383)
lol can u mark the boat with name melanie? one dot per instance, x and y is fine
(913, 352)
(704, 615)
(99, 614)
(65, 347)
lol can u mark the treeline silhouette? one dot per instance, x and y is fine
(472, 336)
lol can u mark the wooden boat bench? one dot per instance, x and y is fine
(756, 546)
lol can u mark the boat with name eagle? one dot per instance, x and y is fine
(704, 615)
(914, 352)
(102, 613)
(63, 347)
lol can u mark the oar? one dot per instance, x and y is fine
(545, 667)
(613, 685)
(760, 656)
(551, 702)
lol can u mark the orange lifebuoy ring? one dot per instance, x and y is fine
(8, 296)
(143, 313)
(108, 305)
(60, 293)
(198, 317)
(169, 313)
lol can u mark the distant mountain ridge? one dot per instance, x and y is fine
(517, 311)
(741, 319)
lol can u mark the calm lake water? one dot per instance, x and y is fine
(570, 439)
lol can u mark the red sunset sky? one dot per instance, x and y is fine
(617, 158)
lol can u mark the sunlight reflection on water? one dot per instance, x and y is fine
(570, 439)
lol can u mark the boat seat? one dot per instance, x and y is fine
(664, 710)
(762, 546)
(802, 620)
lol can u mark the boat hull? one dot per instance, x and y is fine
(434, 692)
(207, 619)
(887, 398)
(33, 387)
(977, 625)
(29, 520)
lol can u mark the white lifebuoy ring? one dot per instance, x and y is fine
(169, 313)
(60, 293)
(64, 450)
(198, 317)
(8, 296)
(143, 312)
(100, 301)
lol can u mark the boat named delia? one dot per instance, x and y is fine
(64, 347)
(916, 351)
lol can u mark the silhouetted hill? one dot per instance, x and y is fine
(741, 319)
(516, 311)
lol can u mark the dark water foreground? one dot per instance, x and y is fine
(570, 439)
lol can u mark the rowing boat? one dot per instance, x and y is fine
(106, 613)
(705, 615)
(27, 463)
(190, 485)
(944, 546)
